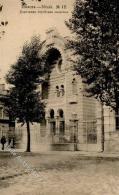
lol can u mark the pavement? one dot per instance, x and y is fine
(12, 164)
(59, 173)
(90, 154)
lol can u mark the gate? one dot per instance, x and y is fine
(89, 131)
(78, 134)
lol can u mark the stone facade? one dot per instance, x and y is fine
(68, 111)
(73, 121)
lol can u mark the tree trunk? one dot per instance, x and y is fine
(28, 138)
(103, 131)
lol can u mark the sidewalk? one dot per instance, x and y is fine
(11, 167)
(105, 155)
(60, 173)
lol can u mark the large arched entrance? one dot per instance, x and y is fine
(53, 59)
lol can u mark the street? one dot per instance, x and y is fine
(59, 174)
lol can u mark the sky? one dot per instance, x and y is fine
(21, 27)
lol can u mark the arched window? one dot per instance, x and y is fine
(61, 113)
(74, 87)
(62, 90)
(57, 91)
(59, 63)
(52, 113)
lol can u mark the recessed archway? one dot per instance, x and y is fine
(61, 113)
(52, 113)
(52, 123)
(61, 124)
(54, 58)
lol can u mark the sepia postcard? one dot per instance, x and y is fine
(55, 138)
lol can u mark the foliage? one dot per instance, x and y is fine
(24, 76)
(95, 25)
(23, 101)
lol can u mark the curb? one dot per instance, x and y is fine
(92, 155)
(11, 176)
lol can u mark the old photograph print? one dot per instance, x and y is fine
(59, 97)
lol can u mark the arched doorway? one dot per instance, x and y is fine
(52, 123)
(61, 125)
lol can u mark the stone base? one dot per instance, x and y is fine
(89, 147)
(63, 147)
(112, 146)
(112, 142)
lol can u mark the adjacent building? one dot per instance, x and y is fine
(7, 127)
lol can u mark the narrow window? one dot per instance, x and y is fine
(74, 87)
(62, 90)
(57, 91)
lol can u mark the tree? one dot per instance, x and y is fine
(95, 24)
(23, 101)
